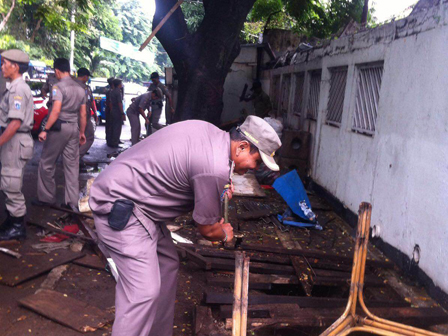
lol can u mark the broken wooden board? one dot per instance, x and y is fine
(67, 311)
(31, 266)
(268, 315)
(247, 186)
(212, 297)
(91, 261)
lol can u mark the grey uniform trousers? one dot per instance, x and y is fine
(90, 137)
(115, 128)
(154, 124)
(65, 142)
(147, 264)
(134, 120)
(13, 155)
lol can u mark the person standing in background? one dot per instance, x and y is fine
(110, 81)
(117, 114)
(16, 143)
(62, 135)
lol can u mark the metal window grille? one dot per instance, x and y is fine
(286, 84)
(298, 96)
(276, 92)
(338, 81)
(313, 102)
(367, 98)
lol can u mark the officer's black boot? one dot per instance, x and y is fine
(15, 230)
(6, 223)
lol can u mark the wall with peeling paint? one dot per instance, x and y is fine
(403, 168)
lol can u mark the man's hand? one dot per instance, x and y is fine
(146, 121)
(82, 139)
(228, 230)
(42, 136)
(230, 191)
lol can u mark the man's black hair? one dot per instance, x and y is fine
(236, 135)
(23, 67)
(62, 64)
(116, 82)
(110, 81)
(83, 72)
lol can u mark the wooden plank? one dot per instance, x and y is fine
(313, 254)
(196, 258)
(53, 278)
(229, 282)
(203, 321)
(309, 317)
(229, 265)
(91, 261)
(266, 257)
(67, 311)
(212, 297)
(31, 266)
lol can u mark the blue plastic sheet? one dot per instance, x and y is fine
(291, 188)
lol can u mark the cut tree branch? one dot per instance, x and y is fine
(6, 18)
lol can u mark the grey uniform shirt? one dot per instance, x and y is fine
(88, 93)
(17, 103)
(72, 97)
(143, 101)
(162, 88)
(115, 98)
(182, 167)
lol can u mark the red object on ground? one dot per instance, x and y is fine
(265, 186)
(58, 237)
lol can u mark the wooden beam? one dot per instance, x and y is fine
(212, 297)
(314, 254)
(161, 23)
(196, 258)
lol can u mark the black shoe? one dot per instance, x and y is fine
(7, 222)
(38, 203)
(16, 229)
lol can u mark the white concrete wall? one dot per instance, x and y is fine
(403, 168)
(243, 71)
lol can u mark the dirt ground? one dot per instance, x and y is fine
(96, 287)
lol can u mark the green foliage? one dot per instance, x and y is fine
(193, 13)
(317, 18)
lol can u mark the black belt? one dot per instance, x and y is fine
(4, 128)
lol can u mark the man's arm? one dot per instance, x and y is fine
(219, 231)
(10, 130)
(142, 113)
(168, 97)
(54, 115)
(82, 124)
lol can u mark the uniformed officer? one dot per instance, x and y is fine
(47, 88)
(2, 81)
(16, 143)
(135, 110)
(117, 115)
(261, 101)
(156, 112)
(83, 78)
(110, 81)
(62, 136)
(154, 105)
(183, 167)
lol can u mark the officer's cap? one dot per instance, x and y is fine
(16, 55)
(154, 75)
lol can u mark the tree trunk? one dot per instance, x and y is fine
(33, 36)
(365, 13)
(202, 59)
(6, 18)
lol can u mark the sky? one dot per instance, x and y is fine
(384, 9)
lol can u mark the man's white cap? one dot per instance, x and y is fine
(264, 137)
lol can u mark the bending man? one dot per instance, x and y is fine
(183, 167)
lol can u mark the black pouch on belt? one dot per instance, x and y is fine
(120, 214)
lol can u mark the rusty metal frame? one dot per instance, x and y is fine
(350, 321)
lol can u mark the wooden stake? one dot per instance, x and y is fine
(245, 296)
(161, 23)
(236, 317)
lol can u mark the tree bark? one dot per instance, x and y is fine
(365, 13)
(202, 59)
(6, 18)
(33, 36)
